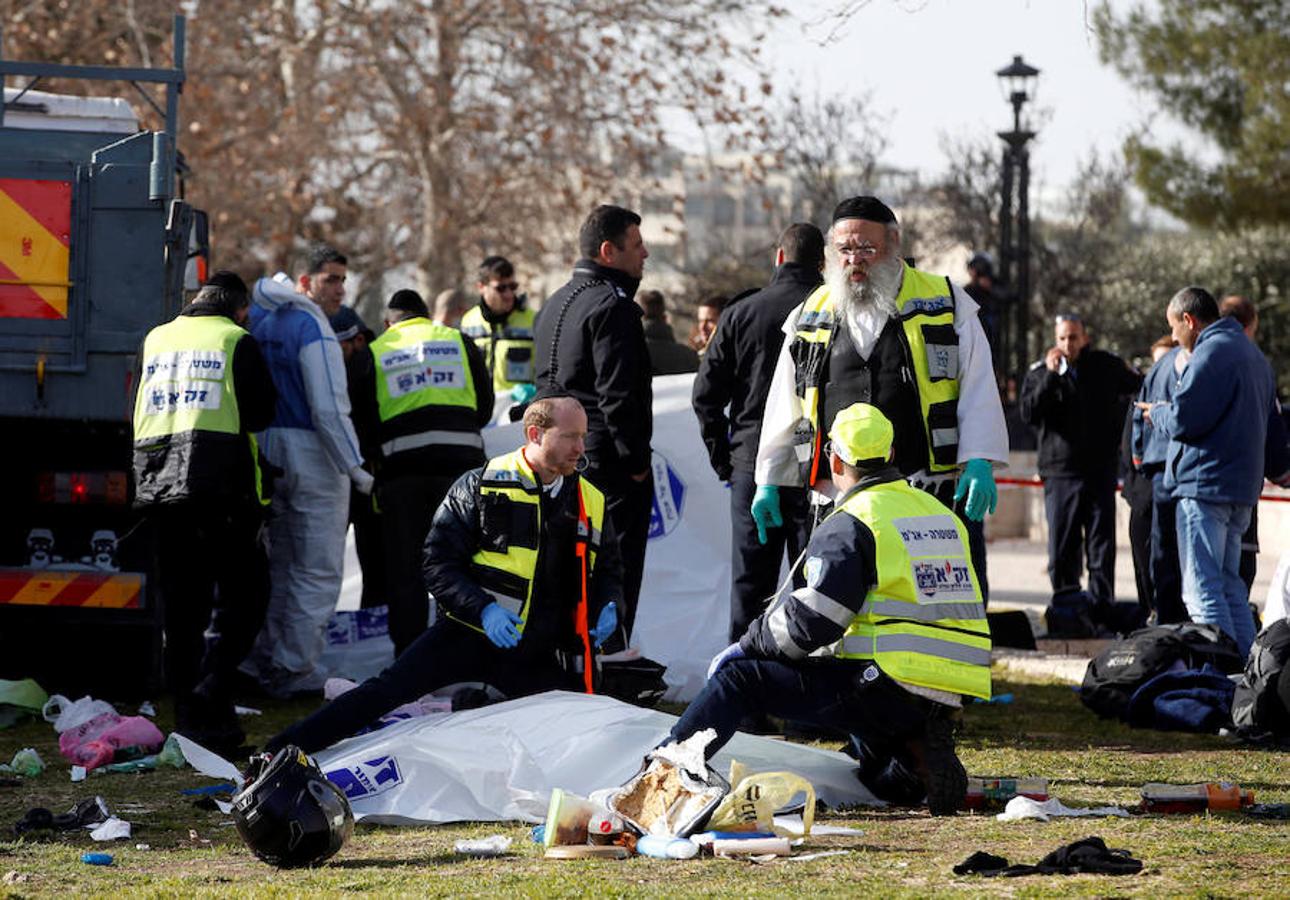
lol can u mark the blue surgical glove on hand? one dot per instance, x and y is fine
(977, 484)
(523, 392)
(734, 651)
(765, 509)
(499, 624)
(605, 624)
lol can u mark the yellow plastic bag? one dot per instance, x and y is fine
(755, 798)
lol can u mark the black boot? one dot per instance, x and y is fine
(938, 764)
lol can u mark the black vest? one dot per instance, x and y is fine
(885, 380)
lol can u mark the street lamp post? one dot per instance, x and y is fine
(1018, 80)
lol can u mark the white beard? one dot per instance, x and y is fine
(867, 304)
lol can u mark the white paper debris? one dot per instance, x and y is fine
(793, 825)
(206, 762)
(111, 830)
(493, 845)
(146, 708)
(820, 855)
(78, 773)
(1025, 808)
(247, 711)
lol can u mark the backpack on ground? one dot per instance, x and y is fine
(1258, 707)
(1114, 674)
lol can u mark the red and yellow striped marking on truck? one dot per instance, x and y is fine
(102, 590)
(35, 236)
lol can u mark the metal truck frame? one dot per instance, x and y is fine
(94, 246)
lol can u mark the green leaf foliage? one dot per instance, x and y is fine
(1222, 68)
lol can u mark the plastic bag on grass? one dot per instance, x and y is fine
(66, 714)
(96, 742)
(751, 805)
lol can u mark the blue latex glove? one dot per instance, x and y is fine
(977, 484)
(523, 392)
(499, 624)
(734, 651)
(765, 509)
(605, 624)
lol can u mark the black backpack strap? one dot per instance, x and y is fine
(554, 366)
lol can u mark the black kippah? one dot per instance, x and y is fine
(407, 300)
(871, 209)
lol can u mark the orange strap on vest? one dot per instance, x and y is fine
(816, 452)
(581, 625)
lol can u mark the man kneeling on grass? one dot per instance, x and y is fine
(886, 636)
(521, 557)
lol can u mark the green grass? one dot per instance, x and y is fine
(1045, 732)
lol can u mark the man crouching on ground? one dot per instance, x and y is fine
(887, 634)
(520, 557)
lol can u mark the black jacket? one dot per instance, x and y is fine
(666, 355)
(1079, 415)
(456, 534)
(738, 367)
(205, 466)
(593, 349)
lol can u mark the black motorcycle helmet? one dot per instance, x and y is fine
(288, 813)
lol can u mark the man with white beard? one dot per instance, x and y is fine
(880, 331)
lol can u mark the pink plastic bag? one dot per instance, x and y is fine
(95, 742)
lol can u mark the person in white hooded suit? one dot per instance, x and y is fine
(312, 441)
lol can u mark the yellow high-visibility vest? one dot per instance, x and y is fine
(186, 384)
(926, 305)
(507, 350)
(420, 366)
(507, 574)
(924, 622)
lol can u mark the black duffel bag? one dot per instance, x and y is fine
(1262, 702)
(1119, 670)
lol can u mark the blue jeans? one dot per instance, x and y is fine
(1209, 551)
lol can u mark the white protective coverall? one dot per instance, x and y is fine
(312, 440)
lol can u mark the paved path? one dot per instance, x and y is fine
(1019, 580)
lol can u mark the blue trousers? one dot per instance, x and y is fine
(1166, 577)
(446, 653)
(850, 696)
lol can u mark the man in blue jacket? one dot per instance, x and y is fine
(1217, 425)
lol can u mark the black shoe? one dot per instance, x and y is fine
(889, 779)
(943, 773)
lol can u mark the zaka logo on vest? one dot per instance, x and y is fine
(944, 579)
(927, 305)
(669, 498)
(367, 779)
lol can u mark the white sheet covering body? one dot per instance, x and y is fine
(501, 762)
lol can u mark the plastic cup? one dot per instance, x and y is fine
(567, 817)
